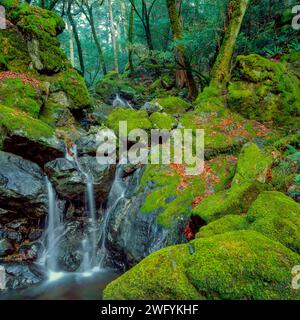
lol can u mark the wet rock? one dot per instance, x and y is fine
(31, 251)
(151, 107)
(35, 234)
(6, 248)
(131, 234)
(70, 248)
(22, 275)
(70, 182)
(22, 186)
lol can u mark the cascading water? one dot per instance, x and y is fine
(117, 193)
(54, 229)
(119, 102)
(91, 241)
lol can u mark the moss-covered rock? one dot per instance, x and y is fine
(135, 119)
(174, 193)
(173, 105)
(18, 121)
(233, 265)
(265, 90)
(16, 93)
(162, 120)
(226, 224)
(40, 28)
(278, 217)
(246, 185)
(73, 85)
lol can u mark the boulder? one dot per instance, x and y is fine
(240, 265)
(70, 182)
(247, 183)
(22, 186)
(6, 248)
(265, 90)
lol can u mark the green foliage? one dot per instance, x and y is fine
(233, 265)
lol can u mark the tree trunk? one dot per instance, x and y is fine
(221, 71)
(97, 42)
(113, 36)
(71, 45)
(184, 76)
(130, 39)
(77, 40)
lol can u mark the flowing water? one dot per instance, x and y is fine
(117, 193)
(54, 229)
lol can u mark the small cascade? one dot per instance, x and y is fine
(86, 262)
(120, 102)
(91, 242)
(54, 229)
(117, 193)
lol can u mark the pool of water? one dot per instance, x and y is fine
(66, 286)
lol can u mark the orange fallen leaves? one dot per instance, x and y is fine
(22, 76)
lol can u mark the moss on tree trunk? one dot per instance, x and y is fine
(221, 71)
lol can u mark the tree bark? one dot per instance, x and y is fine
(77, 40)
(113, 36)
(130, 39)
(97, 41)
(221, 71)
(71, 44)
(184, 76)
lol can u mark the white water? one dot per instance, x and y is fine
(54, 229)
(117, 193)
(91, 241)
(119, 102)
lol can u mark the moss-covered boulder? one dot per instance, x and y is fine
(233, 265)
(21, 92)
(39, 27)
(278, 217)
(27, 136)
(265, 90)
(135, 119)
(225, 224)
(246, 185)
(162, 121)
(173, 105)
(174, 193)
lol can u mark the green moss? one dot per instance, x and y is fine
(278, 217)
(173, 105)
(42, 26)
(56, 115)
(226, 224)
(246, 185)
(234, 265)
(14, 93)
(73, 85)
(162, 120)
(265, 90)
(18, 121)
(135, 119)
(253, 165)
(13, 51)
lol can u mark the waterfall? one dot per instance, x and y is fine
(90, 244)
(117, 193)
(54, 229)
(119, 102)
